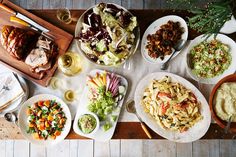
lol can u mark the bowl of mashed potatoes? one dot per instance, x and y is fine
(223, 102)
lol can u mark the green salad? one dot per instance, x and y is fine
(210, 58)
(107, 34)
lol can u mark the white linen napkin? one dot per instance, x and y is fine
(10, 89)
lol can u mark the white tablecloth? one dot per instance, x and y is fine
(139, 68)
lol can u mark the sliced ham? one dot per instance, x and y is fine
(43, 68)
(36, 58)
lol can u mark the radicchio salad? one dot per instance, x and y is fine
(107, 35)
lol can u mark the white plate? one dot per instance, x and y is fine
(100, 135)
(23, 125)
(16, 104)
(152, 30)
(195, 132)
(232, 68)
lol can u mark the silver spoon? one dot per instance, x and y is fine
(227, 128)
(131, 109)
(11, 117)
(179, 46)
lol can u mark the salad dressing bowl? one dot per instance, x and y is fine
(97, 125)
(136, 31)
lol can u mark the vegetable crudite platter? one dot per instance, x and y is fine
(103, 96)
(30, 53)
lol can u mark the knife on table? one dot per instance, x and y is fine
(22, 22)
(24, 18)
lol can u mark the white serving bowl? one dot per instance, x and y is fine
(231, 69)
(23, 124)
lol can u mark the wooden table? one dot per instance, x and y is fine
(124, 130)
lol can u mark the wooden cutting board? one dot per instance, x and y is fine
(61, 38)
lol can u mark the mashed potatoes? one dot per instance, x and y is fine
(225, 101)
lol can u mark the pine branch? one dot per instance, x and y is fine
(210, 19)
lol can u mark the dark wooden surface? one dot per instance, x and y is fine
(133, 130)
(125, 130)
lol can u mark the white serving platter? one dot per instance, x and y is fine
(100, 135)
(195, 132)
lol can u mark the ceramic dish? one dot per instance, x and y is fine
(95, 129)
(23, 124)
(221, 123)
(99, 135)
(192, 134)
(133, 48)
(232, 67)
(156, 26)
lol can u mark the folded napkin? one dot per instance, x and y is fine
(10, 89)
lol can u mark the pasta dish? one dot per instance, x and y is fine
(173, 106)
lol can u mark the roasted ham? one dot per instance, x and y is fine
(17, 41)
(36, 51)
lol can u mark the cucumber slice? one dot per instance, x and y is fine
(120, 97)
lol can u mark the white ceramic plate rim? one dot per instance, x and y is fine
(232, 68)
(156, 26)
(194, 133)
(22, 121)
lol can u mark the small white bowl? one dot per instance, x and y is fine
(97, 124)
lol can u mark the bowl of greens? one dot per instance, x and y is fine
(209, 59)
(107, 34)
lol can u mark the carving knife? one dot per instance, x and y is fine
(20, 21)
(24, 18)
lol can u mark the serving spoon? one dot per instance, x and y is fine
(131, 109)
(227, 128)
(178, 46)
(11, 117)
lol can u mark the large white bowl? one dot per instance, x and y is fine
(224, 39)
(152, 30)
(195, 132)
(23, 125)
(78, 29)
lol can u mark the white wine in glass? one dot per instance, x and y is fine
(70, 63)
(64, 15)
